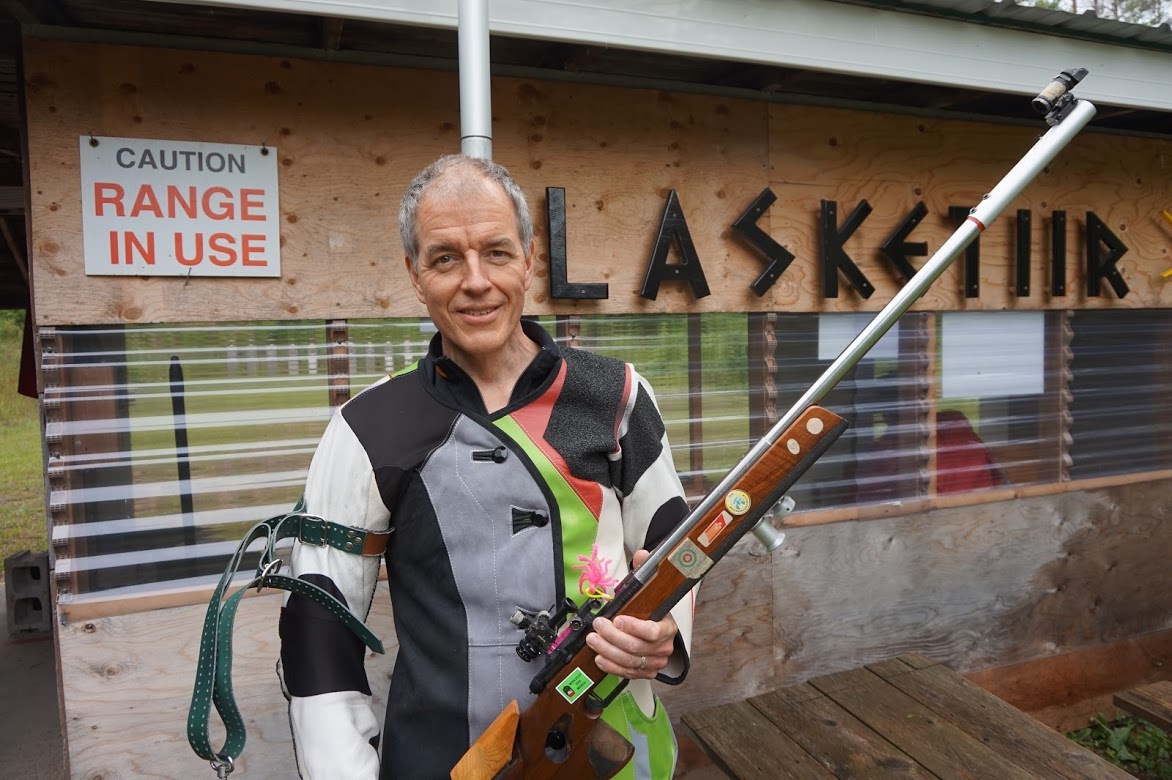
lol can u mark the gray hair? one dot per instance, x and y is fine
(487, 170)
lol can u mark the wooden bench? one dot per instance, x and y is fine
(1152, 702)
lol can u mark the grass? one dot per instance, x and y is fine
(22, 498)
(1133, 745)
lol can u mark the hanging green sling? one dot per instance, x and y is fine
(213, 676)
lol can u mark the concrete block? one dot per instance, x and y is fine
(26, 592)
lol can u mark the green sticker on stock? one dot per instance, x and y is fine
(576, 684)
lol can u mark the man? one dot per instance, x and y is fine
(512, 473)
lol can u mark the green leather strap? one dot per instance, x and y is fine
(213, 675)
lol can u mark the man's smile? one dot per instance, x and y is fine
(478, 312)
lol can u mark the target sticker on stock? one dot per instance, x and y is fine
(690, 560)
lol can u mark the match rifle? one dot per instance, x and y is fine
(560, 734)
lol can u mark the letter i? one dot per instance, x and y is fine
(113, 247)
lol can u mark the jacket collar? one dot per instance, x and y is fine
(457, 389)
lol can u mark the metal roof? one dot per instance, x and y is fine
(992, 47)
(1007, 13)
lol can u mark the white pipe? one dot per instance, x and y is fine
(475, 89)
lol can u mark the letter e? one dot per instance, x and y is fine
(250, 244)
(252, 199)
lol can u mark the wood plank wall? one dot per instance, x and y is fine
(974, 587)
(350, 137)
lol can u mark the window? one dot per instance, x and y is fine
(880, 457)
(1120, 406)
(166, 443)
(999, 379)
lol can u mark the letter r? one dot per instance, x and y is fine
(114, 198)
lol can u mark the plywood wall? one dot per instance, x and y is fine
(349, 137)
(127, 684)
(974, 587)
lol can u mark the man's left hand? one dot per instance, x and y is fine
(632, 648)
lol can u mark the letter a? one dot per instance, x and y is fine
(674, 226)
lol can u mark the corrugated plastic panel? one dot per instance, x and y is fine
(165, 443)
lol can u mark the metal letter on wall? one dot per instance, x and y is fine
(559, 286)
(1058, 253)
(1098, 266)
(779, 256)
(834, 257)
(674, 226)
(898, 249)
(972, 255)
(1024, 220)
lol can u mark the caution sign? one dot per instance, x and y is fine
(179, 208)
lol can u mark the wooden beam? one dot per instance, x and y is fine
(1152, 703)
(22, 11)
(331, 33)
(1063, 690)
(37, 12)
(14, 248)
(953, 500)
(12, 198)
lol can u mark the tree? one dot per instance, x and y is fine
(1147, 12)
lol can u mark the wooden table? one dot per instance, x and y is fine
(907, 717)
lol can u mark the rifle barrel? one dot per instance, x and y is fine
(1038, 157)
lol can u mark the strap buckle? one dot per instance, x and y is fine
(320, 529)
(223, 765)
(270, 568)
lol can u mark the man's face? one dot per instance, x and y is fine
(472, 271)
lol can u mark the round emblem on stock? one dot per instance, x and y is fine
(737, 502)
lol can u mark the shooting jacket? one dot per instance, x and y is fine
(490, 514)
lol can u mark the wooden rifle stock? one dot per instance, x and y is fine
(560, 734)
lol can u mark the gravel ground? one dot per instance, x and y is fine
(30, 729)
